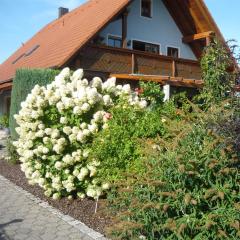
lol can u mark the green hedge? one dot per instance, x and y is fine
(23, 83)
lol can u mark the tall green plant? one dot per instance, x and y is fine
(189, 188)
(215, 64)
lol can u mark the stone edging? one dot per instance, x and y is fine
(66, 218)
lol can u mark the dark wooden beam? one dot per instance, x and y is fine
(124, 29)
(6, 86)
(198, 36)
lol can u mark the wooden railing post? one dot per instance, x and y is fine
(133, 63)
(173, 68)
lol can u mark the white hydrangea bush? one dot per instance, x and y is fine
(56, 126)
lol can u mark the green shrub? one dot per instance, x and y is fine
(13, 156)
(118, 146)
(4, 121)
(189, 187)
(23, 83)
(152, 92)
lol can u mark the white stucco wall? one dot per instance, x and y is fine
(160, 29)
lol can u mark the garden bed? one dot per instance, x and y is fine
(83, 210)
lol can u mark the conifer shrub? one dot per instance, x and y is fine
(189, 185)
(23, 83)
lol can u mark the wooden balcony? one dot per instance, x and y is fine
(125, 62)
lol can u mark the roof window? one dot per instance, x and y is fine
(29, 52)
(18, 58)
(26, 54)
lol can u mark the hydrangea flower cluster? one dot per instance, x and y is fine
(56, 126)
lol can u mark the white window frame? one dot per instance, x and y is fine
(149, 18)
(145, 41)
(172, 46)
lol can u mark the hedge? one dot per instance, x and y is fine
(23, 83)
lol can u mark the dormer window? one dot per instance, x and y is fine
(146, 8)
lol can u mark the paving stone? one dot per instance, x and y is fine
(24, 217)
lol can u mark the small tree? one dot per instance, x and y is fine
(215, 64)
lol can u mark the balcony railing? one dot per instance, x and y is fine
(126, 61)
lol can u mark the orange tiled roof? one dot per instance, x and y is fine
(61, 39)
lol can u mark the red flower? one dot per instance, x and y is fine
(139, 91)
(108, 116)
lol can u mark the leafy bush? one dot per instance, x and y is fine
(151, 92)
(4, 121)
(23, 83)
(13, 156)
(118, 146)
(188, 187)
(57, 125)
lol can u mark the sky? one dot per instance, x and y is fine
(21, 19)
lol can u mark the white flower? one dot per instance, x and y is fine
(107, 100)
(58, 165)
(77, 75)
(72, 137)
(126, 89)
(84, 126)
(45, 150)
(67, 130)
(81, 195)
(85, 107)
(56, 196)
(65, 72)
(106, 186)
(80, 137)
(75, 130)
(143, 104)
(63, 120)
(93, 128)
(97, 83)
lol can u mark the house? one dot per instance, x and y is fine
(158, 40)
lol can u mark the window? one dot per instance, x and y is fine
(173, 52)
(26, 54)
(7, 104)
(146, 8)
(114, 41)
(146, 47)
(18, 58)
(29, 52)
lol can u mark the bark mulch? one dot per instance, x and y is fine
(83, 210)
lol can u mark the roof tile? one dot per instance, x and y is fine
(60, 39)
